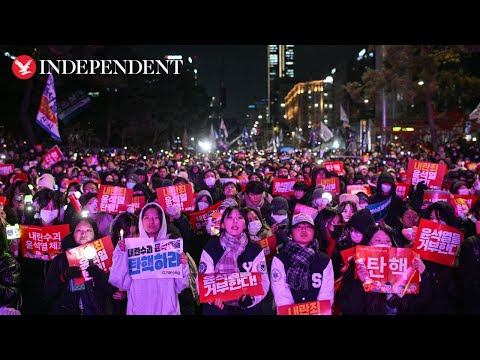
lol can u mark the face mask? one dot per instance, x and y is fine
(130, 185)
(386, 188)
(48, 216)
(202, 205)
(254, 227)
(210, 181)
(337, 231)
(98, 169)
(26, 168)
(463, 192)
(279, 218)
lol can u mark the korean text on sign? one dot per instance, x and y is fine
(114, 199)
(390, 268)
(149, 259)
(438, 243)
(103, 257)
(228, 287)
(42, 242)
(322, 307)
(180, 195)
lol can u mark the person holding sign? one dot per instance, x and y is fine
(46, 210)
(232, 252)
(445, 290)
(302, 273)
(66, 298)
(352, 298)
(153, 296)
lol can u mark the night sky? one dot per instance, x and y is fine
(244, 67)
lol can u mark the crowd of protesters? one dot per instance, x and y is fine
(304, 265)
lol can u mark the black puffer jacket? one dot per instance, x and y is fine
(397, 203)
(62, 300)
(9, 281)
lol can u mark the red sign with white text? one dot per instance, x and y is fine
(228, 287)
(52, 156)
(42, 242)
(103, 257)
(332, 185)
(463, 204)
(304, 209)
(269, 246)
(354, 189)
(199, 219)
(402, 190)
(390, 269)
(6, 169)
(322, 307)
(438, 243)
(113, 199)
(283, 186)
(336, 166)
(432, 174)
(180, 195)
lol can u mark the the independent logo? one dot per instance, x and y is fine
(24, 67)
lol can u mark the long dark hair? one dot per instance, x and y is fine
(122, 222)
(321, 223)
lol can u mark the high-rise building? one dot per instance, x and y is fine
(281, 72)
(306, 105)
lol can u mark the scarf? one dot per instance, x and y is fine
(234, 246)
(298, 275)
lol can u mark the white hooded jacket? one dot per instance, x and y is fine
(148, 296)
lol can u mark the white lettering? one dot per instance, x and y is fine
(316, 280)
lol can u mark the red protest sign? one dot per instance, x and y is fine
(52, 156)
(432, 174)
(347, 254)
(402, 190)
(114, 199)
(199, 219)
(6, 169)
(304, 209)
(390, 269)
(436, 195)
(336, 166)
(269, 246)
(354, 189)
(226, 287)
(42, 242)
(332, 185)
(463, 204)
(91, 160)
(438, 243)
(3, 200)
(283, 186)
(103, 258)
(322, 307)
(138, 201)
(180, 195)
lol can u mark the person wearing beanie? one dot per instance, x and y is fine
(386, 188)
(363, 200)
(460, 188)
(278, 220)
(46, 181)
(321, 198)
(132, 180)
(302, 273)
